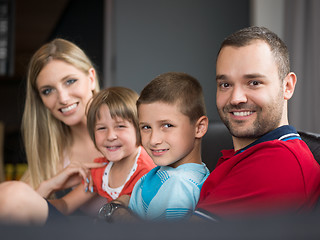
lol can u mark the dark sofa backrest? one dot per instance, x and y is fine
(218, 138)
(313, 142)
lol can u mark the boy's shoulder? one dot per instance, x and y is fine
(190, 172)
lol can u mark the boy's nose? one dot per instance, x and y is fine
(155, 138)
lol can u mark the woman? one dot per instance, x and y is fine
(61, 81)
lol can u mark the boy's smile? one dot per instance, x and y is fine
(167, 135)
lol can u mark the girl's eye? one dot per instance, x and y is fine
(121, 126)
(100, 128)
(71, 81)
(168, 125)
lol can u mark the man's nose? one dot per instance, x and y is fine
(238, 96)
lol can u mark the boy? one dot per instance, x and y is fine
(172, 122)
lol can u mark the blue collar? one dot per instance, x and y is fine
(283, 133)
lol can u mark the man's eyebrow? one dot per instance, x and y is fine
(221, 77)
(248, 76)
(254, 75)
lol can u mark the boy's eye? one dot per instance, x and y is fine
(145, 127)
(121, 126)
(168, 125)
(255, 83)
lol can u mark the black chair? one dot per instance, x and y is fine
(313, 142)
(216, 139)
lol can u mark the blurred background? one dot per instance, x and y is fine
(133, 41)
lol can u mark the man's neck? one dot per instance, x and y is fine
(239, 143)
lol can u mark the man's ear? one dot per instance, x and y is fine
(289, 84)
(201, 126)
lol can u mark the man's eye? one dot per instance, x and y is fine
(224, 85)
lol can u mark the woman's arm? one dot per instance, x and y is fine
(68, 177)
(73, 200)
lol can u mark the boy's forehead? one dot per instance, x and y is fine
(162, 104)
(159, 110)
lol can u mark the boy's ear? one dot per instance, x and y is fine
(201, 126)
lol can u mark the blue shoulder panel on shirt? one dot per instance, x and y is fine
(151, 185)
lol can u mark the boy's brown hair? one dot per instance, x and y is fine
(176, 87)
(121, 102)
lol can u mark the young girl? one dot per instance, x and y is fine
(113, 126)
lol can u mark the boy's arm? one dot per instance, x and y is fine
(117, 210)
(73, 200)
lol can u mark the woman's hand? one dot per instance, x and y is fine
(69, 177)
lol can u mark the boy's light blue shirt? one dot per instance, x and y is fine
(168, 193)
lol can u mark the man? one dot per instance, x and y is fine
(270, 168)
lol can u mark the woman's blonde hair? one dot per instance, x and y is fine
(45, 137)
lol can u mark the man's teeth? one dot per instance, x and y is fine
(68, 108)
(242, 114)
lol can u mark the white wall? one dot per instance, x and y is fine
(145, 38)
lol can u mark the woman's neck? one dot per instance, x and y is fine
(82, 148)
(79, 131)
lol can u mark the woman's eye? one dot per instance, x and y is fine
(71, 81)
(46, 91)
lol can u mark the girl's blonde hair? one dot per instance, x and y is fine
(45, 137)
